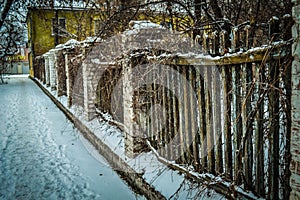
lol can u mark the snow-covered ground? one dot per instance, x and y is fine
(42, 156)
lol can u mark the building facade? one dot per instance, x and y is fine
(48, 27)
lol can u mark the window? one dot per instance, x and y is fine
(59, 26)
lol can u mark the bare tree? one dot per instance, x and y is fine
(4, 11)
(12, 33)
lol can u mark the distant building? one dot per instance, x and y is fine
(18, 63)
(48, 27)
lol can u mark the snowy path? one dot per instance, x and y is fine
(42, 156)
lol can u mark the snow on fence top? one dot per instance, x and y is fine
(209, 43)
(136, 26)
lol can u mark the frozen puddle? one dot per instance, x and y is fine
(42, 156)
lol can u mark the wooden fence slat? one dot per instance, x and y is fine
(194, 125)
(274, 131)
(175, 100)
(216, 90)
(165, 126)
(248, 147)
(238, 124)
(181, 115)
(202, 122)
(159, 115)
(148, 107)
(166, 106)
(170, 119)
(259, 135)
(153, 116)
(227, 96)
(235, 39)
(186, 110)
(209, 120)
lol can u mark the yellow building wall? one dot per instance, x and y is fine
(79, 25)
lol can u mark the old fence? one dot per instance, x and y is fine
(228, 115)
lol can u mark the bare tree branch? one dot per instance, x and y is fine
(5, 11)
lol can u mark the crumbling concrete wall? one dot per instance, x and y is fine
(295, 136)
